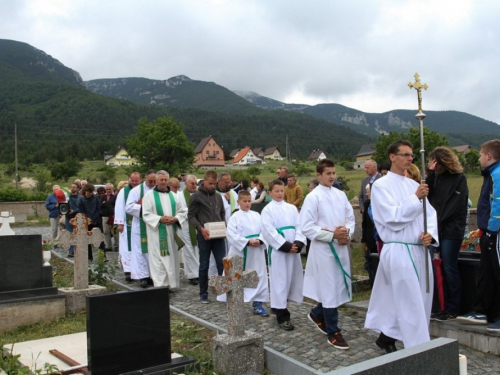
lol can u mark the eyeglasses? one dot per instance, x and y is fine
(406, 155)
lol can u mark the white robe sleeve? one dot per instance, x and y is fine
(234, 237)
(269, 232)
(120, 208)
(131, 207)
(149, 214)
(181, 210)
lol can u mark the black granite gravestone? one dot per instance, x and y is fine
(129, 332)
(22, 274)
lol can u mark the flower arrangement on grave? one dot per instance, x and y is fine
(471, 241)
(48, 245)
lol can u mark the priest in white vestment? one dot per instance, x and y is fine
(139, 257)
(327, 219)
(123, 221)
(164, 214)
(399, 306)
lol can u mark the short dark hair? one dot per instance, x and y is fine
(255, 180)
(324, 163)
(244, 193)
(394, 147)
(150, 171)
(210, 174)
(493, 147)
(273, 183)
(88, 187)
(290, 176)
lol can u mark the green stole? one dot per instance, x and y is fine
(280, 231)
(245, 250)
(344, 272)
(232, 201)
(192, 230)
(144, 238)
(162, 228)
(128, 219)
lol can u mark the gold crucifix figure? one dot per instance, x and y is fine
(417, 85)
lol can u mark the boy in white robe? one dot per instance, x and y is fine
(163, 212)
(281, 231)
(399, 306)
(245, 239)
(327, 219)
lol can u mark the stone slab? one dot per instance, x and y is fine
(76, 299)
(36, 352)
(234, 355)
(16, 313)
(21, 263)
(439, 356)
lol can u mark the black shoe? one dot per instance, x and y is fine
(108, 250)
(443, 316)
(144, 283)
(150, 281)
(388, 347)
(71, 255)
(127, 277)
(287, 325)
(194, 281)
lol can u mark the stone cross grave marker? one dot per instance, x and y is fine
(5, 220)
(232, 283)
(80, 238)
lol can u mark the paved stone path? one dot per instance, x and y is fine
(305, 344)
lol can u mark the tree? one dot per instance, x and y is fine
(66, 169)
(432, 139)
(161, 144)
(470, 161)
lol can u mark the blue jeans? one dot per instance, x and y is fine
(69, 228)
(216, 246)
(452, 286)
(331, 317)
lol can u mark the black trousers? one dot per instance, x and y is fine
(488, 283)
(282, 315)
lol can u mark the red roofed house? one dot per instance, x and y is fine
(246, 156)
(208, 153)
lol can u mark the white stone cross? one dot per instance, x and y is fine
(5, 220)
(80, 238)
(233, 283)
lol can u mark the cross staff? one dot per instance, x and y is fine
(417, 85)
(80, 238)
(232, 283)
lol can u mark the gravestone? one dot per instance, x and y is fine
(27, 294)
(237, 352)
(80, 238)
(129, 333)
(5, 220)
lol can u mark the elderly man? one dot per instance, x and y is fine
(293, 192)
(190, 251)
(164, 213)
(139, 241)
(174, 185)
(124, 223)
(283, 175)
(52, 205)
(373, 174)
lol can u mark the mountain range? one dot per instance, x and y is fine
(59, 115)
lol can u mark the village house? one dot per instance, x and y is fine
(121, 158)
(208, 153)
(259, 152)
(365, 153)
(246, 156)
(317, 155)
(273, 153)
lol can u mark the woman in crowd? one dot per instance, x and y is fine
(448, 194)
(261, 193)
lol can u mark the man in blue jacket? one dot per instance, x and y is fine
(487, 305)
(52, 206)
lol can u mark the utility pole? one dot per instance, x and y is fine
(15, 153)
(287, 150)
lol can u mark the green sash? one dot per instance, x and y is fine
(246, 249)
(128, 219)
(192, 230)
(144, 238)
(280, 231)
(408, 244)
(162, 228)
(344, 273)
(232, 200)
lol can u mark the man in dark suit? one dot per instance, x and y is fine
(371, 171)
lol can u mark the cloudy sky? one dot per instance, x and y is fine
(358, 53)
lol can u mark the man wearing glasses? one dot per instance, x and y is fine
(399, 306)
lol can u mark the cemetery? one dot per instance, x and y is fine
(243, 343)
